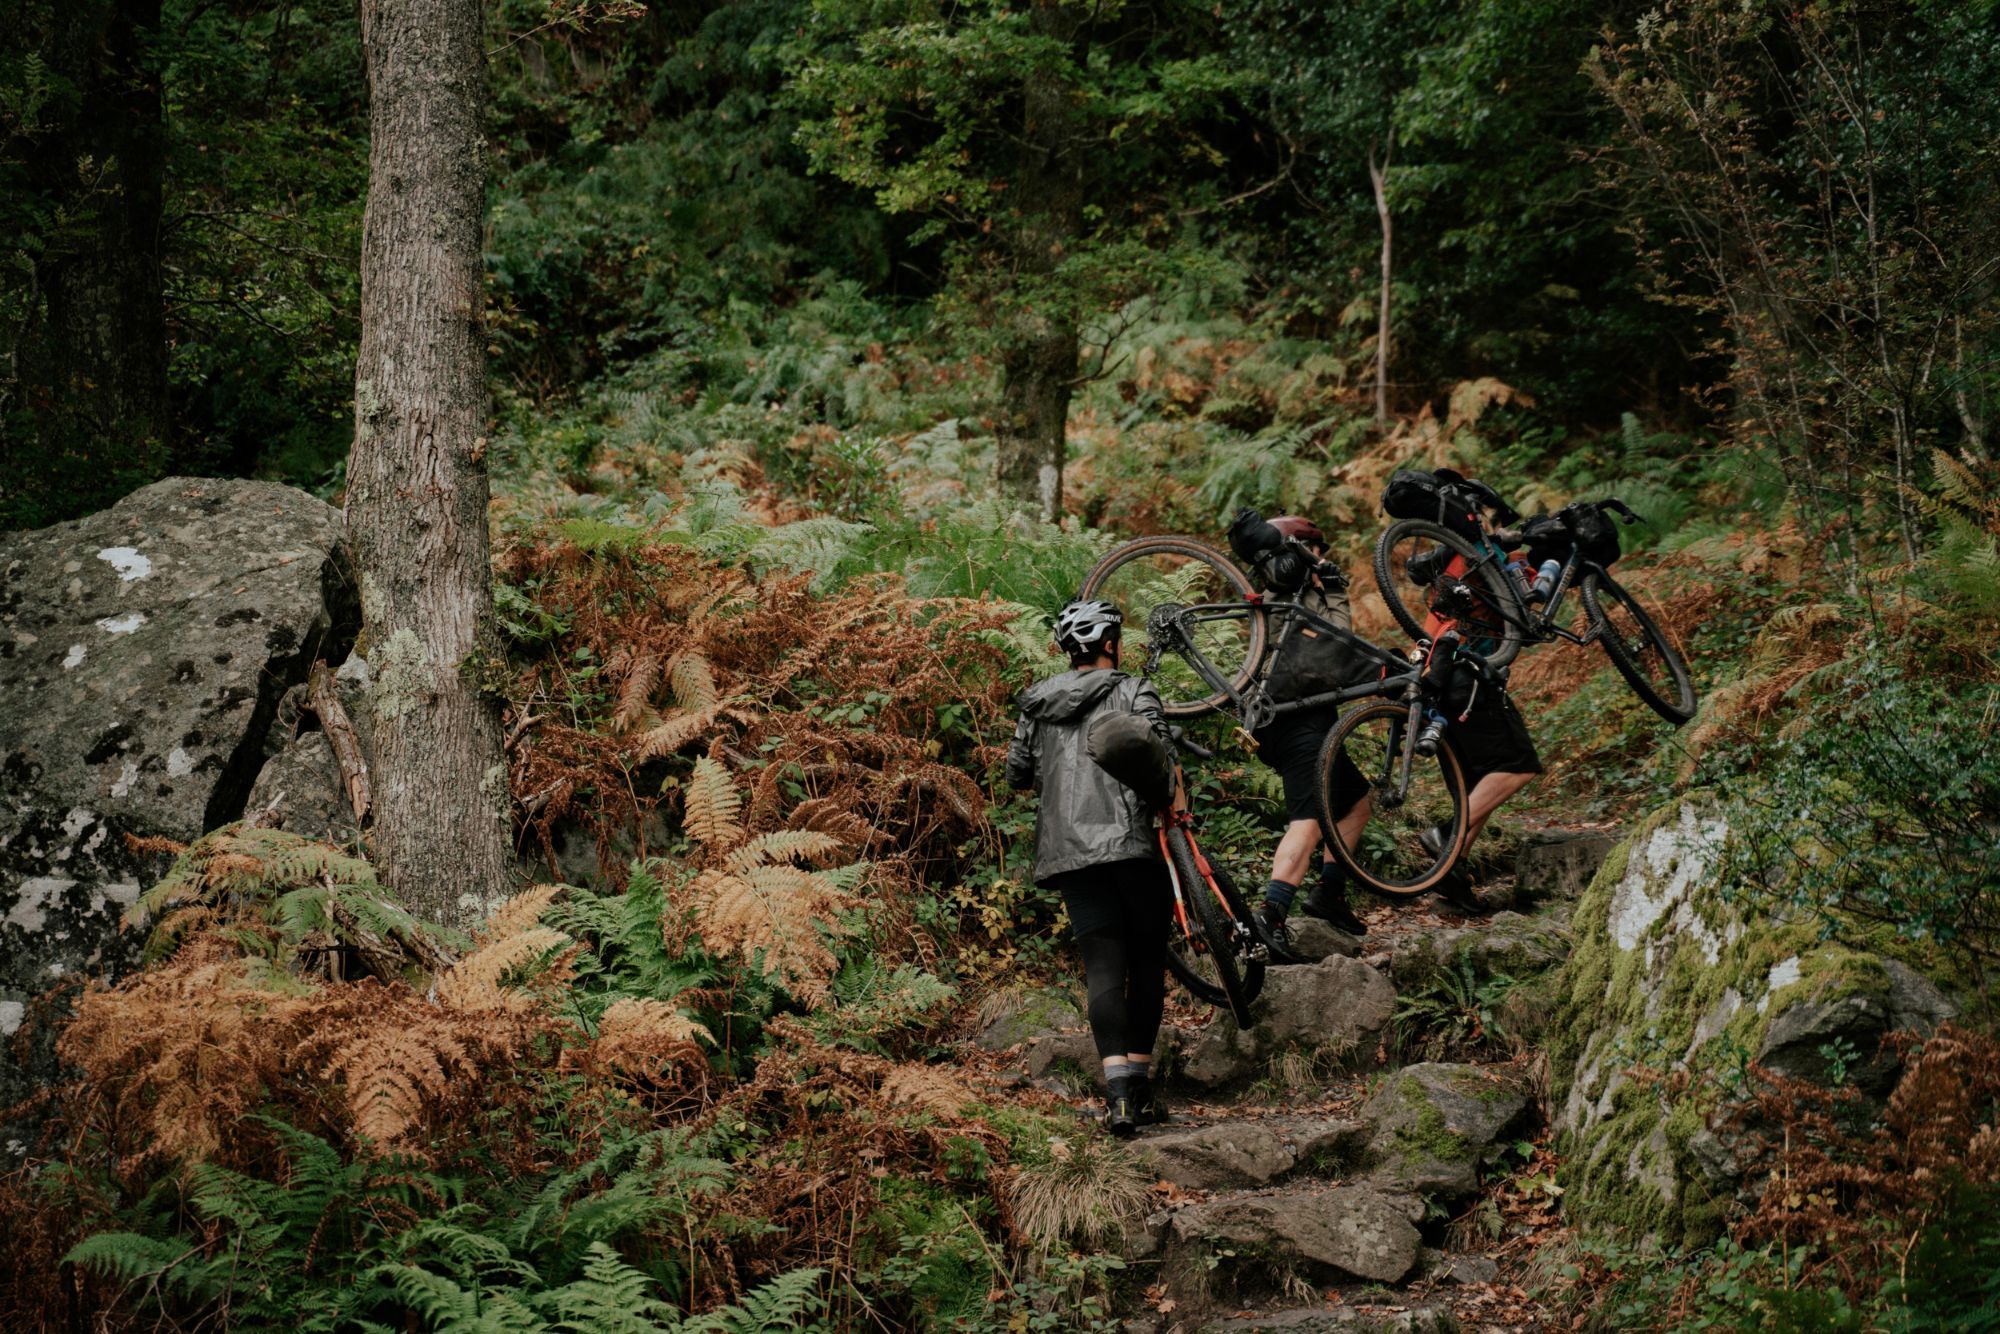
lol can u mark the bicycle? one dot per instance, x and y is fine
(1216, 955)
(1206, 632)
(1484, 595)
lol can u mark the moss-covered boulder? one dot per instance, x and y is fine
(1437, 1126)
(1677, 978)
(1014, 1015)
(1336, 1007)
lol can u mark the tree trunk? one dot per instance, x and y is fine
(93, 356)
(1038, 360)
(1037, 369)
(417, 488)
(1378, 176)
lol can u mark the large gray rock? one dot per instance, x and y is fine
(1235, 1154)
(1559, 863)
(1313, 939)
(1357, 1231)
(1437, 1125)
(143, 654)
(1338, 1005)
(1679, 968)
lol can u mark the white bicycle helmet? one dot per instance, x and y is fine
(1083, 626)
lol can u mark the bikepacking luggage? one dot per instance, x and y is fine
(1125, 746)
(1443, 497)
(1310, 661)
(1594, 533)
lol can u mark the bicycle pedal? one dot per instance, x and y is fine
(1244, 739)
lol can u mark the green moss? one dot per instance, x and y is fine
(1429, 1139)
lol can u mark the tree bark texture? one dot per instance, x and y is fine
(1038, 359)
(93, 357)
(417, 487)
(1378, 177)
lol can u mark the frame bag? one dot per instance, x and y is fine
(1311, 661)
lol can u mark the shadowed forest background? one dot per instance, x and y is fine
(829, 343)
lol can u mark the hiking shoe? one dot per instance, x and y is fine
(1267, 923)
(1456, 889)
(1149, 1108)
(1121, 1108)
(1330, 905)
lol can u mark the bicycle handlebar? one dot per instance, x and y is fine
(1181, 742)
(1620, 508)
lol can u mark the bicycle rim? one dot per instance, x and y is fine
(1390, 855)
(1639, 649)
(1218, 935)
(1409, 600)
(1151, 577)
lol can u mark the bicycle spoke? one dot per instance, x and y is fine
(1148, 590)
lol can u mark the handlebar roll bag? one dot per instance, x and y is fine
(1411, 494)
(1125, 746)
(1595, 535)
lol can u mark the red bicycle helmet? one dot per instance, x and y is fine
(1303, 529)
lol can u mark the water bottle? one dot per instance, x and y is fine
(1545, 581)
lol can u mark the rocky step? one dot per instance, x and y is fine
(1366, 1319)
(1241, 1152)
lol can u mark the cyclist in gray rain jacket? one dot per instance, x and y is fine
(1094, 844)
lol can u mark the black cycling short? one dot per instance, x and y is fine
(1292, 746)
(1492, 739)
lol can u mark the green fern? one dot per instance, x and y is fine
(788, 1302)
(275, 893)
(625, 953)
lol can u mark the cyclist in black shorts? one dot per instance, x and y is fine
(1488, 735)
(1094, 844)
(1291, 746)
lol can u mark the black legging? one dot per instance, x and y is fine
(1128, 990)
(1119, 910)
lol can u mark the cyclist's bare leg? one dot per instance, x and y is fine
(1294, 855)
(1487, 796)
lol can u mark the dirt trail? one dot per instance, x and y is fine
(1368, 1155)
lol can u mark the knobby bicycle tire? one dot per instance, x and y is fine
(1185, 972)
(1454, 782)
(1217, 930)
(1486, 572)
(1238, 676)
(1681, 707)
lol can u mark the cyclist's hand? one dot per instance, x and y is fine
(1507, 539)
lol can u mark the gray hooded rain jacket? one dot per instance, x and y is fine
(1087, 816)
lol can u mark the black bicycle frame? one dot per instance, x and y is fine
(1251, 708)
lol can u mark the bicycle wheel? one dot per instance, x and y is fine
(1224, 940)
(1638, 648)
(1188, 961)
(1391, 855)
(1153, 577)
(1489, 611)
